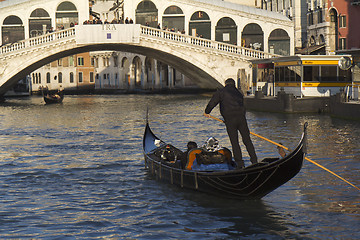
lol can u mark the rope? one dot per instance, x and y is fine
(279, 145)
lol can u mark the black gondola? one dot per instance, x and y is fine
(252, 182)
(56, 96)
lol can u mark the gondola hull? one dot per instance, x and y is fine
(253, 182)
(54, 98)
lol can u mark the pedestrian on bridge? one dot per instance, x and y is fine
(233, 111)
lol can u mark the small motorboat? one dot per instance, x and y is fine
(171, 165)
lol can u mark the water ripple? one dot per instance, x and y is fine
(80, 174)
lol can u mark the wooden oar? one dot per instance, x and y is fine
(279, 145)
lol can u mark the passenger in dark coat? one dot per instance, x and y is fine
(233, 111)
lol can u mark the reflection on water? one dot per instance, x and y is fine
(75, 170)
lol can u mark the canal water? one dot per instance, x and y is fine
(76, 170)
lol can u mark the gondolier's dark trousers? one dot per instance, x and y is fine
(234, 124)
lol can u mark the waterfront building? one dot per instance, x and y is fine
(73, 73)
(296, 11)
(332, 25)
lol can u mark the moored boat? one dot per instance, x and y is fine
(164, 161)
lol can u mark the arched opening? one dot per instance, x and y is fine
(125, 68)
(226, 31)
(48, 78)
(174, 18)
(60, 77)
(149, 72)
(71, 76)
(200, 25)
(147, 14)
(39, 22)
(66, 15)
(312, 41)
(12, 30)
(252, 36)
(279, 42)
(334, 30)
(137, 71)
(321, 39)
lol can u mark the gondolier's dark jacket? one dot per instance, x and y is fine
(231, 102)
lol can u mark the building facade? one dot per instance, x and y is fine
(333, 24)
(296, 11)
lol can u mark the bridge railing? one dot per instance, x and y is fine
(201, 42)
(35, 41)
(145, 31)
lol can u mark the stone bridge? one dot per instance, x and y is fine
(208, 63)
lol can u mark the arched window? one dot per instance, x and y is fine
(71, 77)
(66, 15)
(39, 22)
(39, 13)
(312, 41)
(252, 36)
(174, 18)
(60, 77)
(226, 30)
(200, 25)
(12, 30)
(66, 7)
(279, 42)
(173, 10)
(12, 20)
(334, 30)
(48, 77)
(147, 14)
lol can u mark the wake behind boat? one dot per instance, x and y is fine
(166, 163)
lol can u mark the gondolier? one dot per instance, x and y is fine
(233, 111)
